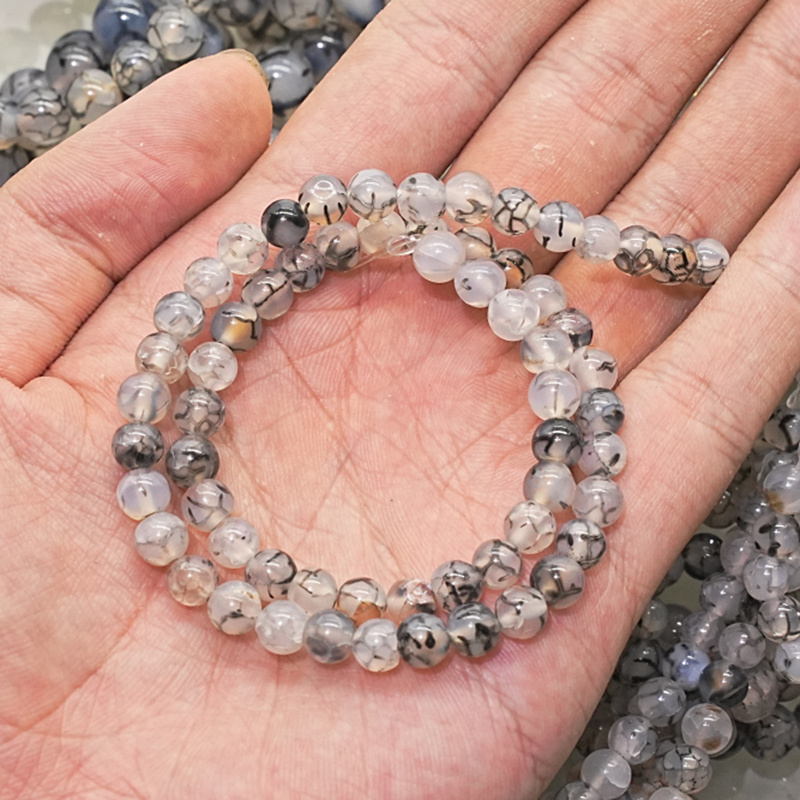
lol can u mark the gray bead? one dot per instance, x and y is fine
(198, 410)
(634, 738)
(328, 636)
(270, 292)
(762, 695)
(43, 119)
(456, 583)
(301, 15)
(236, 325)
(291, 80)
(742, 644)
(72, 54)
(176, 32)
(600, 410)
(521, 612)
(604, 453)
(474, 629)
(423, 640)
(499, 562)
(685, 768)
(607, 772)
(640, 251)
(284, 223)
(779, 619)
(143, 397)
(684, 665)
(191, 459)
(575, 324)
(661, 701)
(679, 260)
(558, 439)
(577, 790)
(303, 265)
(180, 315)
(20, 82)
(339, 245)
(560, 579)
(773, 737)
(271, 572)
(582, 541)
(137, 445)
(640, 661)
(135, 65)
(723, 684)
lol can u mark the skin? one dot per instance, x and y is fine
(380, 429)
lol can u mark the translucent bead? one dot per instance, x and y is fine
(328, 636)
(669, 793)
(634, 738)
(421, 199)
(708, 727)
(209, 281)
(162, 354)
(679, 261)
(375, 645)
(116, 21)
(137, 445)
(575, 324)
(322, 48)
(594, 368)
(560, 580)
(191, 580)
(779, 619)
(545, 348)
(469, 198)
(772, 738)
(284, 223)
(372, 194)
(271, 572)
(242, 248)
(313, 590)
(437, 256)
(207, 504)
(406, 597)
(143, 397)
(478, 281)
(722, 683)
(179, 315)
(554, 393)
(557, 439)
(521, 612)
(92, 94)
(701, 556)
(551, 484)
(684, 665)
(598, 499)
(516, 266)
(530, 527)
(20, 82)
(43, 119)
(301, 15)
(499, 562)
(654, 620)
(742, 644)
(737, 549)
(787, 661)
(686, 768)
(9, 133)
(291, 80)
(548, 293)
(702, 629)
(72, 54)
(712, 258)
(478, 243)
(640, 251)
(280, 627)
(762, 695)
(577, 790)
(135, 65)
(200, 411)
(765, 577)
(423, 640)
(600, 410)
(340, 246)
(661, 701)
(213, 366)
(270, 292)
(474, 629)
(361, 599)
(233, 607)
(782, 488)
(161, 538)
(778, 536)
(514, 211)
(323, 199)
(176, 32)
(512, 314)
(236, 325)
(722, 595)
(581, 540)
(455, 583)
(601, 240)
(375, 236)
(603, 453)
(303, 265)
(607, 772)
(235, 13)
(191, 459)
(559, 227)
(640, 661)
(233, 543)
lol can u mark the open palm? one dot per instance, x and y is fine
(379, 428)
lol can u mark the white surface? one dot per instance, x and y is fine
(27, 30)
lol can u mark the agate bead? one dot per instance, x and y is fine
(558, 439)
(271, 572)
(640, 251)
(176, 32)
(468, 198)
(313, 590)
(410, 596)
(207, 504)
(478, 281)
(530, 527)
(180, 315)
(340, 246)
(191, 580)
(234, 543)
(455, 583)
(199, 411)
(280, 627)
(236, 325)
(521, 612)
(161, 538)
(554, 393)
(270, 292)
(423, 640)
(213, 366)
(328, 636)
(474, 629)
(499, 562)
(137, 445)
(162, 354)
(242, 248)
(559, 227)
(143, 397)
(233, 607)
(191, 459)
(375, 645)
(209, 281)
(421, 199)
(284, 223)
(559, 578)
(550, 483)
(514, 211)
(372, 194)
(323, 199)
(361, 599)
(437, 256)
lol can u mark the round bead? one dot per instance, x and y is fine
(598, 499)
(514, 211)
(137, 445)
(328, 636)
(421, 199)
(375, 645)
(601, 240)
(765, 577)
(271, 572)
(163, 354)
(284, 223)
(762, 695)
(600, 410)
(499, 562)
(340, 246)
(142, 492)
(199, 411)
(575, 324)
(545, 348)
(478, 281)
(521, 612)
(437, 256)
(191, 580)
(323, 199)
(375, 237)
(773, 737)
(209, 281)
(679, 261)
(474, 629)
(551, 484)
(516, 266)
(303, 265)
(558, 439)
(577, 790)
(684, 665)
(143, 397)
(455, 583)
(512, 314)
(779, 619)
(179, 315)
(291, 79)
(135, 65)
(372, 194)
(722, 683)
(604, 453)
(92, 94)
(548, 293)
(559, 227)
(207, 504)
(213, 366)
(233, 607)
(270, 292)
(20, 82)
(242, 248)
(406, 597)
(361, 599)
(43, 119)
(787, 661)
(468, 198)
(639, 662)
(607, 772)
(161, 538)
(634, 738)
(236, 325)
(423, 640)
(191, 459)
(280, 627)
(361, 11)
(712, 258)
(176, 32)
(559, 578)
(594, 368)
(581, 540)
(233, 543)
(313, 590)
(661, 701)
(686, 768)
(554, 393)
(640, 251)
(782, 488)
(301, 15)
(530, 527)
(702, 629)
(701, 556)
(708, 727)
(742, 644)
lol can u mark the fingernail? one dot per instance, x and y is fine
(246, 55)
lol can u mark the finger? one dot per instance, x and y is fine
(90, 209)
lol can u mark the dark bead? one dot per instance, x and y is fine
(137, 445)
(516, 265)
(773, 737)
(71, 55)
(701, 556)
(639, 662)
(558, 439)
(284, 223)
(19, 83)
(118, 21)
(192, 459)
(722, 683)
(575, 324)
(322, 49)
(600, 410)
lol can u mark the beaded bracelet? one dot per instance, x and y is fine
(571, 379)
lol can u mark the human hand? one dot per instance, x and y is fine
(380, 429)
